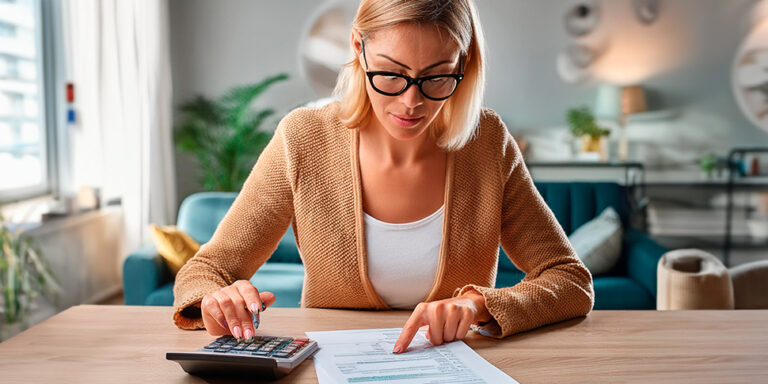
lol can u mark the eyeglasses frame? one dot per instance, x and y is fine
(410, 80)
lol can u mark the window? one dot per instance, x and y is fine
(24, 159)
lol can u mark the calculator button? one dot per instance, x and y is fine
(221, 350)
(260, 353)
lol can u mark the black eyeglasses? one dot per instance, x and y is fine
(435, 87)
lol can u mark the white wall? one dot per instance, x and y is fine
(684, 61)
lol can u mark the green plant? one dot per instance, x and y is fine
(582, 123)
(23, 273)
(708, 163)
(224, 134)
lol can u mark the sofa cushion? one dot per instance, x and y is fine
(286, 251)
(610, 292)
(175, 246)
(161, 296)
(285, 280)
(598, 241)
(621, 293)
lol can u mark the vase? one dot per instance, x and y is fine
(595, 144)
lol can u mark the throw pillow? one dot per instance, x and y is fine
(175, 246)
(598, 241)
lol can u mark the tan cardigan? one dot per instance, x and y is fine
(309, 175)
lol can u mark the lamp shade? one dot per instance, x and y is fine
(632, 100)
(608, 102)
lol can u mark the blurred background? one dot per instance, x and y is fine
(112, 113)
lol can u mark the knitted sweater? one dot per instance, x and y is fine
(309, 176)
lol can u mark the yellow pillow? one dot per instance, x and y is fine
(175, 246)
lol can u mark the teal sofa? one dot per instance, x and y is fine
(147, 279)
(630, 285)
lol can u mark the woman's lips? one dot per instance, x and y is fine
(406, 122)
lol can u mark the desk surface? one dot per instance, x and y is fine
(127, 344)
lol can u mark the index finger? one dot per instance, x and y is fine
(251, 296)
(409, 330)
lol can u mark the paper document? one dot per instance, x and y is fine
(365, 356)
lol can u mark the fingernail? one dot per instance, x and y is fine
(263, 306)
(397, 349)
(255, 321)
(237, 333)
(248, 334)
(254, 308)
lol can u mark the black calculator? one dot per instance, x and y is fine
(264, 357)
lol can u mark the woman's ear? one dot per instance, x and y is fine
(355, 43)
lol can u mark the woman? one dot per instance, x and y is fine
(399, 194)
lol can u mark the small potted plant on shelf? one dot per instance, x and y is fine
(24, 275)
(584, 127)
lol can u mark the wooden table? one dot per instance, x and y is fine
(127, 344)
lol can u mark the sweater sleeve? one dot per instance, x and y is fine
(246, 236)
(557, 286)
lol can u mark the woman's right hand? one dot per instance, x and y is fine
(228, 310)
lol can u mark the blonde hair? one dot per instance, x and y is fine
(459, 117)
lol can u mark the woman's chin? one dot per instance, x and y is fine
(406, 134)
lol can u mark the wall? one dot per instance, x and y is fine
(684, 61)
(219, 44)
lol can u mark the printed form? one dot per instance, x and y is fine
(365, 356)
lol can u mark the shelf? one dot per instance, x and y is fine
(693, 241)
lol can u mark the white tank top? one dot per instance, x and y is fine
(403, 257)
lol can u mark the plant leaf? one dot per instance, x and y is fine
(237, 100)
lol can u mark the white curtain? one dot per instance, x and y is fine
(118, 58)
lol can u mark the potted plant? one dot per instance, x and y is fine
(24, 275)
(583, 125)
(224, 134)
(707, 164)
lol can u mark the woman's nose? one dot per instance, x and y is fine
(412, 97)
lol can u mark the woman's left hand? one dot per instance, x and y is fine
(447, 319)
